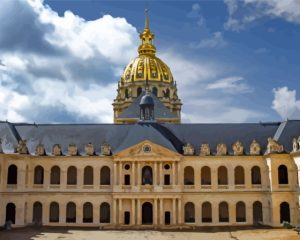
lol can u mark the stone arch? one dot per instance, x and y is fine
(71, 213)
(283, 177)
(206, 212)
(240, 209)
(147, 177)
(55, 175)
(205, 176)
(285, 212)
(38, 175)
(37, 214)
(72, 175)
(88, 176)
(54, 212)
(12, 174)
(10, 213)
(189, 212)
(257, 212)
(147, 213)
(255, 175)
(189, 176)
(222, 175)
(104, 212)
(239, 175)
(105, 176)
(223, 212)
(87, 212)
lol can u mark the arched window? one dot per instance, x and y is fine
(223, 212)
(189, 176)
(147, 175)
(12, 175)
(88, 176)
(255, 175)
(104, 213)
(283, 175)
(239, 176)
(240, 209)
(285, 212)
(55, 175)
(154, 91)
(54, 212)
(206, 212)
(105, 176)
(71, 213)
(126, 93)
(222, 176)
(257, 213)
(205, 176)
(39, 175)
(10, 213)
(189, 212)
(87, 213)
(139, 91)
(72, 176)
(37, 215)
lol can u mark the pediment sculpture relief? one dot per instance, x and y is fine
(221, 149)
(238, 148)
(40, 150)
(22, 147)
(72, 150)
(205, 149)
(89, 149)
(273, 146)
(188, 149)
(56, 150)
(255, 148)
(105, 149)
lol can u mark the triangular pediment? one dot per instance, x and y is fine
(147, 149)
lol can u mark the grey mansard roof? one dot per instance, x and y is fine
(122, 136)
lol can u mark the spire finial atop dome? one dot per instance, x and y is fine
(146, 19)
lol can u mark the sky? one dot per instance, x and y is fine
(233, 60)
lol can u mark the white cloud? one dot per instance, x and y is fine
(216, 40)
(195, 13)
(233, 84)
(285, 103)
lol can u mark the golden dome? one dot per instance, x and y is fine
(147, 66)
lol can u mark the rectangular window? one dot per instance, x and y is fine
(127, 179)
(167, 179)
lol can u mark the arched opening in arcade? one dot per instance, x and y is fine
(147, 213)
(37, 215)
(10, 213)
(104, 213)
(257, 213)
(285, 212)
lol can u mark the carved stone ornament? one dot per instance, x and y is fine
(40, 150)
(22, 147)
(255, 148)
(295, 145)
(1, 150)
(89, 149)
(221, 149)
(205, 149)
(56, 150)
(72, 149)
(238, 148)
(105, 149)
(188, 149)
(273, 146)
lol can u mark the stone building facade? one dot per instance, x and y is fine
(149, 172)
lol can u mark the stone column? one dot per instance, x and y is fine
(139, 218)
(179, 212)
(155, 212)
(155, 174)
(115, 210)
(139, 173)
(173, 173)
(161, 211)
(179, 174)
(115, 174)
(174, 211)
(161, 181)
(120, 174)
(120, 211)
(133, 212)
(133, 181)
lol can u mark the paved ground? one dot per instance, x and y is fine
(94, 234)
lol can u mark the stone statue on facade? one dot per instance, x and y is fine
(255, 148)
(238, 148)
(204, 150)
(188, 149)
(89, 149)
(221, 149)
(273, 146)
(40, 150)
(105, 149)
(22, 147)
(295, 145)
(72, 150)
(56, 150)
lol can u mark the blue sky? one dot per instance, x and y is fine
(234, 61)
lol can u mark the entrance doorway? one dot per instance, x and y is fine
(126, 217)
(167, 218)
(10, 213)
(147, 212)
(284, 212)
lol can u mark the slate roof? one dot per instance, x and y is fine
(122, 136)
(160, 111)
